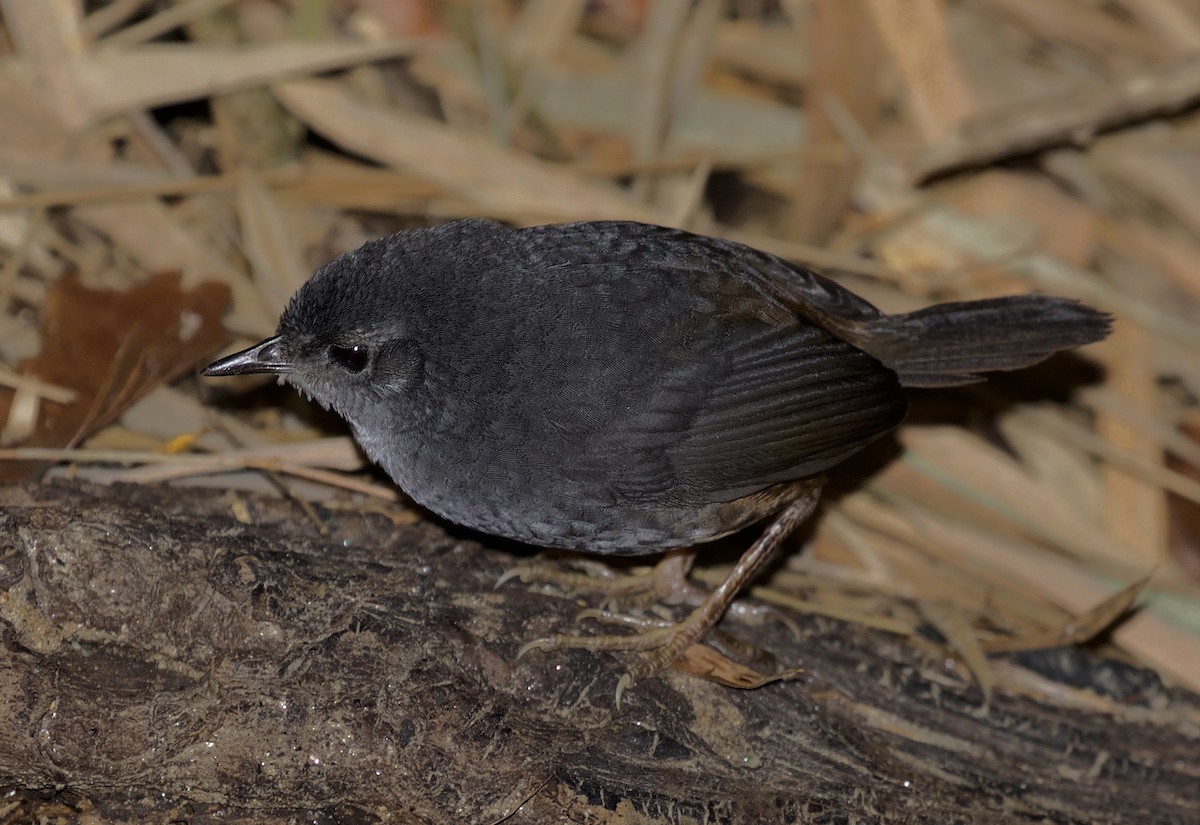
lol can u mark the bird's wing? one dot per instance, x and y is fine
(703, 381)
(766, 405)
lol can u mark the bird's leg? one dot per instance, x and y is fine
(666, 582)
(665, 644)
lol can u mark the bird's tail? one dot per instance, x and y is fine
(950, 344)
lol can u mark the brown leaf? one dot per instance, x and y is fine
(705, 662)
(112, 348)
(1184, 515)
(960, 635)
(1075, 631)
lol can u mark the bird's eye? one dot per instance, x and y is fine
(352, 358)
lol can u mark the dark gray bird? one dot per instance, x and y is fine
(620, 388)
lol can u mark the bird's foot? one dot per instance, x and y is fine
(662, 642)
(665, 582)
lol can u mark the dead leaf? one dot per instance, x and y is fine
(1077, 630)
(112, 348)
(961, 637)
(1184, 515)
(705, 662)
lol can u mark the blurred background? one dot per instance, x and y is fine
(170, 172)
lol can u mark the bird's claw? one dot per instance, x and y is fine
(659, 641)
(518, 572)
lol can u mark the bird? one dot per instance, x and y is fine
(618, 388)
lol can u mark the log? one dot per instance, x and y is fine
(161, 658)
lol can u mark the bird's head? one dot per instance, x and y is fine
(344, 340)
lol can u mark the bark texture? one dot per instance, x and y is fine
(162, 660)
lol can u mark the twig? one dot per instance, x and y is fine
(1063, 118)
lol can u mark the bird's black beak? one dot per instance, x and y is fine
(262, 357)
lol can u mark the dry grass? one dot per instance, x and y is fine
(939, 150)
